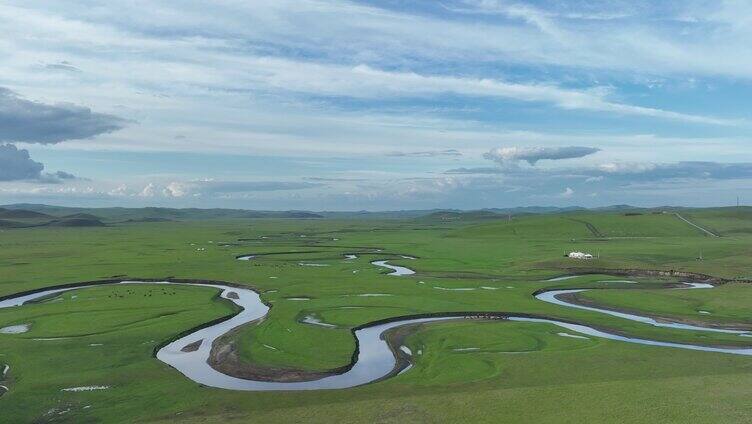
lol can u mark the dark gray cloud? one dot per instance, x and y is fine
(426, 154)
(64, 175)
(16, 164)
(531, 155)
(27, 121)
(55, 177)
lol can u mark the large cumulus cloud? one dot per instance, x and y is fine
(28, 121)
(16, 164)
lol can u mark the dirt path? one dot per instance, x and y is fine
(592, 228)
(706, 231)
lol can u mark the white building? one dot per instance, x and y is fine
(579, 255)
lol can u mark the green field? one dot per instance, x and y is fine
(463, 371)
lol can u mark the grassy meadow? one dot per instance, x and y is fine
(473, 371)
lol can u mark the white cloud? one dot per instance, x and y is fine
(150, 190)
(340, 30)
(531, 155)
(626, 167)
(209, 188)
(314, 79)
(119, 191)
(426, 153)
(230, 67)
(176, 189)
(363, 81)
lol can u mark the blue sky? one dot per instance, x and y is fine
(349, 105)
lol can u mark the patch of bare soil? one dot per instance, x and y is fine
(192, 347)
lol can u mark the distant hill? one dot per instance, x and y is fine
(152, 214)
(150, 219)
(463, 216)
(497, 213)
(76, 222)
(155, 214)
(301, 214)
(81, 216)
(24, 218)
(22, 214)
(4, 223)
(285, 214)
(536, 210)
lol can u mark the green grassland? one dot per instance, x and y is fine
(476, 371)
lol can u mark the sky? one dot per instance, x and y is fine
(375, 105)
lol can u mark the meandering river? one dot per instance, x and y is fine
(552, 296)
(375, 359)
(397, 270)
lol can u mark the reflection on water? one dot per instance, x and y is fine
(396, 269)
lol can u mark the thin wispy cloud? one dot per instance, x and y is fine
(212, 187)
(366, 82)
(427, 153)
(62, 66)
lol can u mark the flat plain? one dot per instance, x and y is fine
(88, 354)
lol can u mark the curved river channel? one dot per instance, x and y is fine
(397, 270)
(375, 359)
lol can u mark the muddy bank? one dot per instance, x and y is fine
(193, 346)
(224, 356)
(628, 272)
(3, 378)
(578, 299)
(565, 297)
(225, 359)
(249, 256)
(60, 288)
